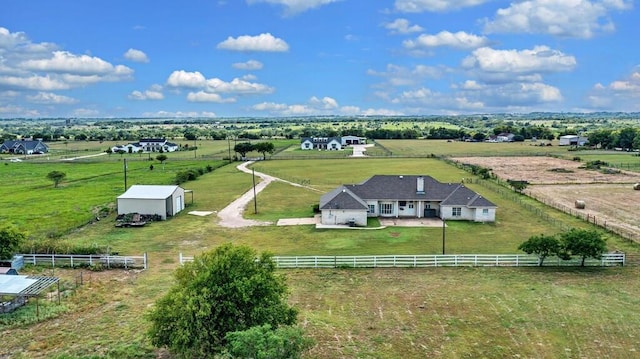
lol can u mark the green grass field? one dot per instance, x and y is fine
(386, 313)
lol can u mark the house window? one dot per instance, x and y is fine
(427, 205)
(372, 208)
(386, 208)
(456, 212)
(402, 203)
(485, 211)
(410, 205)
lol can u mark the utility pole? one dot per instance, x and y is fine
(444, 225)
(229, 146)
(125, 174)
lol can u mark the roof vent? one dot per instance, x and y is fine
(401, 177)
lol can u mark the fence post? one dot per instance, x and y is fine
(145, 260)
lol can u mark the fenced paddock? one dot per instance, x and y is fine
(423, 261)
(89, 260)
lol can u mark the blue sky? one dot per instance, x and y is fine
(273, 58)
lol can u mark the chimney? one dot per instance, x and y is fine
(420, 185)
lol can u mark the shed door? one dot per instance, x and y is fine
(178, 204)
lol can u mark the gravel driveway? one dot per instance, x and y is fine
(231, 215)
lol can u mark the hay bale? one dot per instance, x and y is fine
(580, 204)
(636, 186)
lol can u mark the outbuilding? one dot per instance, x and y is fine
(164, 201)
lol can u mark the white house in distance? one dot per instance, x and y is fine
(572, 140)
(147, 145)
(321, 143)
(407, 196)
(152, 199)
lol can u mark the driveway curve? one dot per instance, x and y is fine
(231, 215)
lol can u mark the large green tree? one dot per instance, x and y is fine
(56, 177)
(264, 148)
(226, 290)
(10, 240)
(243, 148)
(583, 243)
(542, 246)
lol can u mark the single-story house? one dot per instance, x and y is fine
(572, 140)
(130, 148)
(155, 144)
(147, 145)
(321, 143)
(164, 201)
(24, 147)
(407, 196)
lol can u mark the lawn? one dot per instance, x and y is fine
(462, 149)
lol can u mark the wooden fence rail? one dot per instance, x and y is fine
(422, 261)
(79, 260)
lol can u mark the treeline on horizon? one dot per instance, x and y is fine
(601, 132)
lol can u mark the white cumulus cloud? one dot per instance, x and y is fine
(202, 96)
(564, 18)
(435, 5)
(136, 56)
(293, 7)
(402, 26)
(250, 65)
(181, 78)
(540, 59)
(51, 98)
(459, 40)
(264, 42)
(153, 93)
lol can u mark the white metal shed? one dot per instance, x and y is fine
(152, 199)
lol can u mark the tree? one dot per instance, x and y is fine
(542, 246)
(263, 342)
(221, 291)
(264, 148)
(161, 158)
(243, 148)
(518, 186)
(584, 243)
(56, 177)
(10, 240)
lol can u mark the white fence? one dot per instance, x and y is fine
(421, 261)
(80, 260)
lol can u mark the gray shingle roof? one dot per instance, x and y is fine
(341, 198)
(405, 188)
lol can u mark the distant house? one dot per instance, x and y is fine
(24, 147)
(572, 140)
(130, 148)
(147, 145)
(155, 144)
(321, 143)
(404, 196)
(164, 201)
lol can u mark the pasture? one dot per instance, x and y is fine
(442, 313)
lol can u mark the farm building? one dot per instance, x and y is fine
(404, 197)
(164, 201)
(353, 140)
(572, 140)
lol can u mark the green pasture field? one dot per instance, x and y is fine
(622, 160)
(440, 312)
(32, 203)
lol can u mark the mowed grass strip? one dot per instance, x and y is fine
(459, 148)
